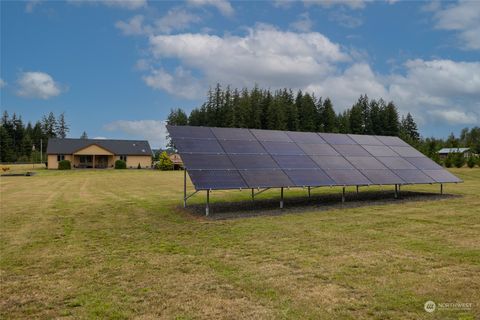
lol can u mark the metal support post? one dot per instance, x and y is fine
(185, 188)
(441, 188)
(357, 190)
(207, 207)
(309, 194)
(281, 198)
(253, 195)
(399, 190)
(343, 194)
(396, 192)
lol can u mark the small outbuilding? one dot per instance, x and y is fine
(98, 153)
(443, 153)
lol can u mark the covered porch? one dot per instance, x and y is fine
(94, 157)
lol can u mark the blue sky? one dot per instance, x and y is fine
(116, 68)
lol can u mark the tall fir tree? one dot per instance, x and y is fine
(62, 128)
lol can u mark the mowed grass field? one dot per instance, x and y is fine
(118, 244)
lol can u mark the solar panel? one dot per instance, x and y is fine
(380, 151)
(396, 163)
(366, 140)
(332, 162)
(271, 135)
(190, 132)
(198, 145)
(216, 179)
(365, 163)
(424, 163)
(309, 177)
(382, 177)
(318, 149)
(267, 178)
(285, 148)
(232, 134)
(407, 151)
(413, 176)
(253, 161)
(336, 138)
(350, 150)
(441, 176)
(231, 158)
(295, 162)
(305, 137)
(251, 147)
(348, 177)
(207, 161)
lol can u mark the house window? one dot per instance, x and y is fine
(123, 158)
(60, 157)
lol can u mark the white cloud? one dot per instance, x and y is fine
(181, 83)
(100, 138)
(176, 19)
(152, 130)
(2, 83)
(134, 26)
(463, 17)
(123, 4)
(31, 4)
(345, 20)
(352, 4)
(456, 117)
(37, 85)
(303, 24)
(223, 6)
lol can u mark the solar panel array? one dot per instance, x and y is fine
(233, 158)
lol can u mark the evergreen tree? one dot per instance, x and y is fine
(165, 163)
(356, 119)
(329, 121)
(177, 117)
(49, 124)
(392, 125)
(84, 135)
(408, 129)
(291, 110)
(307, 113)
(375, 116)
(61, 126)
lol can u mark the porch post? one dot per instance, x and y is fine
(93, 164)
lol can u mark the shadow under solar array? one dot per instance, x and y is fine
(233, 158)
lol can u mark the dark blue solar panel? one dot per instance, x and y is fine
(365, 163)
(336, 138)
(241, 146)
(392, 141)
(309, 178)
(197, 145)
(295, 162)
(366, 140)
(305, 137)
(266, 178)
(216, 179)
(382, 177)
(190, 132)
(396, 163)
(413, 176)
(332, 162)
(441, 176)
(424, 163)
(318, 149)
(253, 161)
(270, 135)
(206, 161)
(380, 151)
(233, 134)
(284, 148)
(350, 150)
(407, 151)
(348, 177)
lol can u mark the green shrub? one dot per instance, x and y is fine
(64, 165)
(165, 163)
(471, 161)
(120, 164)
(459, 160)
(448, 161)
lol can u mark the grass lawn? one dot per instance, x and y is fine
(117, 244)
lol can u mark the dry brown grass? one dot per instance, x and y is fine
(117, 244)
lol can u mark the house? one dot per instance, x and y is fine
(177, 161)
(98, 153)
(443, 153)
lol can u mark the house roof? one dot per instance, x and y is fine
(120, 147)
(453, 150)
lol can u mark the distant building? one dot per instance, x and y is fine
(177, 161)
(443, 153)
(98, 153)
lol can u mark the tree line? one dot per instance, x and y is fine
(302, 111)
(21, 143)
